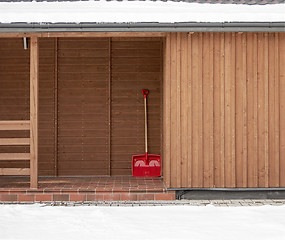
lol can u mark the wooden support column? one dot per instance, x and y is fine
(34, 105)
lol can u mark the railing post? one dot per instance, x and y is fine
(34, 100)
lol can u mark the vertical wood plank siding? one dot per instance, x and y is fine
(224, 110)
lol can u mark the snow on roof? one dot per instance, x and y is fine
(137, 12)
(249, 2)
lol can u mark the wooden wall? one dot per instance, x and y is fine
(224, 110)
(15, 99)
(14, 94)
(83, 83)
(136, 65)
(47, 120)
(91, 113)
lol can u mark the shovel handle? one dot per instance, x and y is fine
(145, 92)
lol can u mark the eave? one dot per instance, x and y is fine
(143, 27)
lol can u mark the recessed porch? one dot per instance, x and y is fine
(72, 106)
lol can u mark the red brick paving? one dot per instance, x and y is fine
(43, 197)
(112, 197)
(8, 198)
(78, 189)
(129, 197)
(77, 197)
(61, 197)
(165, 196)
(26, 197)
(145, 197)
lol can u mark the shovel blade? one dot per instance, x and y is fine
(149, 166)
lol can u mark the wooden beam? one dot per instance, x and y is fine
(84, 34)
(14, 125)
(15, 171)
(14, 156)
(34, 90)
(14, 141)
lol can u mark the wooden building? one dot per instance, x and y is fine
(71, 103)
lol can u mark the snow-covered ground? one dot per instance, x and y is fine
(41, 222)
(137, 11)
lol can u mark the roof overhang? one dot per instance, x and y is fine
(143, 27)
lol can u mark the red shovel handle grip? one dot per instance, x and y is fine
(145, 92)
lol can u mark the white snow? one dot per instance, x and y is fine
(38, 222)
(137, 11)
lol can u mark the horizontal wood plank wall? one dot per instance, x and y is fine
(83, 78)
(46, 106)
(14, 94)
(224, 110)
(136, 65)
(14, 99)
(83, 66)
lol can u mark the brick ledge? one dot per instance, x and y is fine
(18, 197)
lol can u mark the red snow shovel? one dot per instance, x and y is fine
(146, 165)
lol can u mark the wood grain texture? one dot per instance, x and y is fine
(14, 106)
(236, 138)
(34, 110)
(82, 107)
(14, 156)
(166, 112)
(228, 106)
(14, 141)
(136, 65)
(281, 78)
(48, 84)
(222, 113)
(15, 125)
(225, 86)
(14, 171)
(184, 114)
(75, 104)
(195, 111)
(200, 110)
(178, 108)
(189, 110)
(173, 105)
(17, 84)
(239, 110)
(244, 112)
(84, 34)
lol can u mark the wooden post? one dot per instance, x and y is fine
(34, 80)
